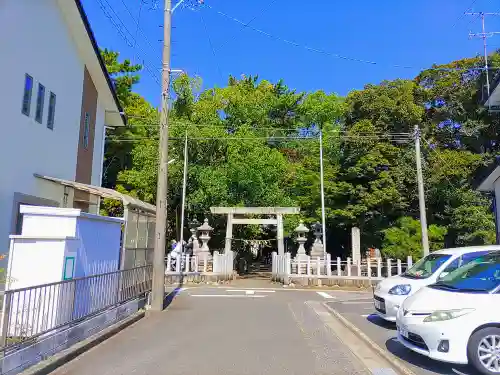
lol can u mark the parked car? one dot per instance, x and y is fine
(390, 293)
(457, 319)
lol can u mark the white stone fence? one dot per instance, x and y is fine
(288, 270)
(218, 266)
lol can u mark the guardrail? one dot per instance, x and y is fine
(38, 311)
(285, 268)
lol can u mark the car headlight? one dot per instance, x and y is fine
(440, 315)
(400, 290)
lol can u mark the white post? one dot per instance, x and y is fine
(400, 270)
(186, 266)
(369, 267)
(205, 264)
(328, 264)
(178, 263)
(379, 267)
(409, 262)
(339, 267)
(318, 266)
(196, 264)
(359, 267)
(308, 265)
(169, 263)
(273, 265)
(229, 233)
(215, 264)
(389, 268)
(348, 266)
(288, 264)
(299, 271)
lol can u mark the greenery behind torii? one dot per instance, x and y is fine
(370, 180)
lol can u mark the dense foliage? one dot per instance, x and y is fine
(243, 151)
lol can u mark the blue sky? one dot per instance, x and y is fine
(391, 32)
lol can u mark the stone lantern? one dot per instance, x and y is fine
(193, 225)
(317, 249)
(301, 231)
(205, 231)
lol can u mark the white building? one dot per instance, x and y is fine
(56, 100)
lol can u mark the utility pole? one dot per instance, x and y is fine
(484, 35)
(421, 193)
(184, 183)
(323, 221)
(158, 285)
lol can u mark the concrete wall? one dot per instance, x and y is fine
(15, 362)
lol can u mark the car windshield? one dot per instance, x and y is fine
(481, 275)
(426, 266)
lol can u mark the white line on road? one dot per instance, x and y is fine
(228, 295)
(250, 291)
(356, 302)
(326, 295)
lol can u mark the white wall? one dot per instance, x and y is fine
(36, 40)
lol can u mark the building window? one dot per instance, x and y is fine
(39, 103)
(52, 111)
(86, 130)
(28, 91)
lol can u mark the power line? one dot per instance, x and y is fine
(324, 52)
(136, 21)
(269, 138)
(462, 16)
(125, 37)
(211, 45)
(263, 10)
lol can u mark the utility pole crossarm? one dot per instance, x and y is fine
(484, 35)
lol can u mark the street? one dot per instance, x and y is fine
(362, 314)
(222, 330)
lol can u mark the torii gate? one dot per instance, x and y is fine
(275, 211)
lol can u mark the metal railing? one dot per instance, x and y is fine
(38, 311)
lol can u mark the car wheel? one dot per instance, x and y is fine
(484, 350)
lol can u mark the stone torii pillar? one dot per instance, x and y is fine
(278, 212)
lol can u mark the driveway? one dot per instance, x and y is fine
(226, 331)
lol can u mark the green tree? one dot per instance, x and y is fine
(406, 239)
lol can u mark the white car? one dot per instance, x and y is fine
(457, 319)
(390, 293)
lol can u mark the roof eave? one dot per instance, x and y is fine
(93, 41)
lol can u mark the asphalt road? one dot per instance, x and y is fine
(362, 314)
(222, 331)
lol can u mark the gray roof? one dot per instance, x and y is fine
(102, 192)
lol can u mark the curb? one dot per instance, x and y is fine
(396, 363)
(63, 357)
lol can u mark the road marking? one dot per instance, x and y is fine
(228, 295)
(356, 302)
(250, 291)
(326, 295)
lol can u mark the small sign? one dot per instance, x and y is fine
(69, 268)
